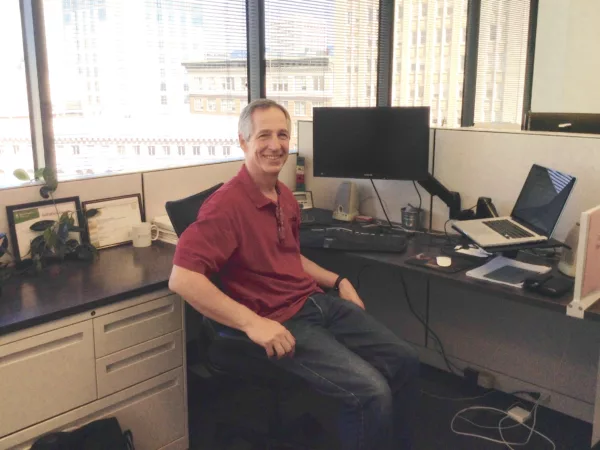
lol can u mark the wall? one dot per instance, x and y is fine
(477, 163)
(190, 180)
(157, 186)
(567, 62)
(495, 164)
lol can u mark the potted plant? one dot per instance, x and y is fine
(54, 243)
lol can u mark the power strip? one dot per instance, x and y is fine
(519, 414)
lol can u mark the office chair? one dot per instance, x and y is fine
(218, 347)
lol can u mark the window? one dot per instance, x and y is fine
(505, 69)
(151, 150)
(300, 83)
(196, 150)
(75, 149)
(198, 104)
(310, 41)
(134, 89)
(136, 150)
(14, 109)
(300, 108)
(226, 150)
(211, 150)
(166, 150)
(121, 150)
(228, 105)
(424, 82)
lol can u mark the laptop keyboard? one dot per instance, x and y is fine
(507, 229)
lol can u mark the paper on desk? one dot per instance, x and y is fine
(500, 261)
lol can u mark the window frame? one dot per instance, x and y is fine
(38, 86)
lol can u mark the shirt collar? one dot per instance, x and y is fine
(252, 190)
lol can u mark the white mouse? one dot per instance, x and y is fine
(443, 261)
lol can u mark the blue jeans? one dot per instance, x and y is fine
(344, 353)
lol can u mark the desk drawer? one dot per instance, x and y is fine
(140, 323)
(138, 363)
(153, 410)
(46, 375)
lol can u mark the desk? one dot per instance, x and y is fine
(82, 341)
(524, 339)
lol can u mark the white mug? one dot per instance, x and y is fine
(143, 234)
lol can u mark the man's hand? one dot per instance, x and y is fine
(347, 292)
(272, 336)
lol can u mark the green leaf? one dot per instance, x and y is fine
(64, 217)
(41, 225)
(21, 175)
(50, 238)
(50, 178)
(92, 212)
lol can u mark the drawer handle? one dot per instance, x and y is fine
(42, 348)
(138, 318)
(140, 356)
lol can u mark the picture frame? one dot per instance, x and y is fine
(22, 217)
(109, 220)
(587, 284)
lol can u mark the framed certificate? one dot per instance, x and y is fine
(109, 220)
(28, 221)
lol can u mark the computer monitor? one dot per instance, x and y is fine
(384, 143)
(564, 122)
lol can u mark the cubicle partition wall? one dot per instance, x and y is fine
(171, 184)
(495, 164)
(86, 189)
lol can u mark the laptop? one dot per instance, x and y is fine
(534, 216)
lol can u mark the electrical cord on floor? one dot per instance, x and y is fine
(499, 427)
(381, 203)
(451, 367)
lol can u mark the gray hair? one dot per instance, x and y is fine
(246, 125)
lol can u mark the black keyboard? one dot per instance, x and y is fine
(340, 238)
(507, 229)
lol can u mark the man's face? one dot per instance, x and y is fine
(267, 149)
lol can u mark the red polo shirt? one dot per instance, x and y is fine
(236, 235)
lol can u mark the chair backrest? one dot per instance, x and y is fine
(184, 212)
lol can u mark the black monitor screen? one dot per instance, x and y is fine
(385, 143)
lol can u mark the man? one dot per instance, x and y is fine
(248, 232)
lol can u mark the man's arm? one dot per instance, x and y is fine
(207, 299)
(327, 279)
(323, 277)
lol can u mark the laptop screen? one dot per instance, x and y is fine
(542, 199)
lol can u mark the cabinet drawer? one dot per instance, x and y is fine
(138, 363)
(153, 410)
(46, 375)
(140, 323)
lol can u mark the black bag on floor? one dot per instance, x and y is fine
(103, 434)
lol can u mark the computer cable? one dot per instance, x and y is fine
(418, 193)
(381, 203)
(451, 367)
(499, 427)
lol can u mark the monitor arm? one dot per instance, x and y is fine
(450, 198)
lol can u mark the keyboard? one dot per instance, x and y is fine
(340, 238)
(507, 229)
